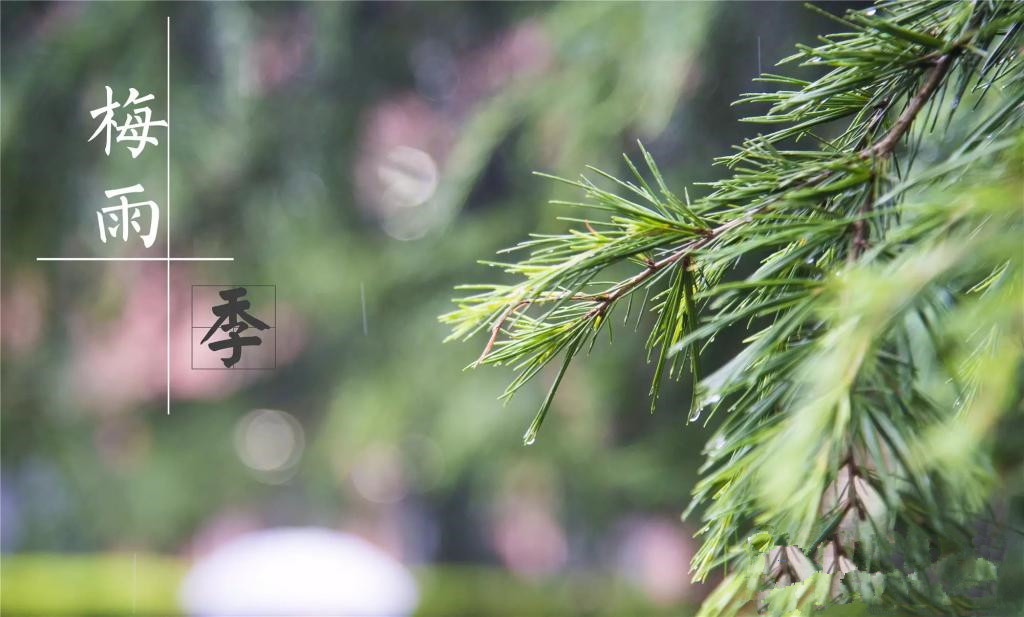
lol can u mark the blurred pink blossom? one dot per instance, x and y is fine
(23, 307)
(222, 528)
(282, 51)
(525, 530)
(406, 138)
(519, 53)
(120, 362)
(655, 554)
(529, 540)
(405, 123)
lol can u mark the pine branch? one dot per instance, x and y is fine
(857, 258)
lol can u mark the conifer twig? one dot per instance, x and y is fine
(887, 144)
(830, 380)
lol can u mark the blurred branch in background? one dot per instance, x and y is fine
(354, 155)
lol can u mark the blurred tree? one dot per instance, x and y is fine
(278, 109)
(271, 134)
(879, 278)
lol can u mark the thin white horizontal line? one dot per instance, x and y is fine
(135, 258)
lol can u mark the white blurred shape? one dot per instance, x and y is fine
(298, 571)
(408, 227)
(268, 440)
(378, 475)
(407, 176)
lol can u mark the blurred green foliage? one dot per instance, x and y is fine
(118, 584)
(271, 105)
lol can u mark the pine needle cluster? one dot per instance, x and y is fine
(870, 246)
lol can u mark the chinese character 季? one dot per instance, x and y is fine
(120, 217)
(138, 120)
(233, 317)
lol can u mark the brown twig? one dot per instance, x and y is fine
(887, 144)
(860, 226)
(496, 328)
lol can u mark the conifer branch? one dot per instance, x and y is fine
(831, 407)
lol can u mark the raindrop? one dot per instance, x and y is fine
(717, 444)
(529, 438)
(712, 448)
(699, 409)
(871, 11)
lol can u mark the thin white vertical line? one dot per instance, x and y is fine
(135, 567)
(167, 215)
(362, 301)
(758, 56)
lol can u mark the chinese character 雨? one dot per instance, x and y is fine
(136, 125)
(127, 214)
(230, 312)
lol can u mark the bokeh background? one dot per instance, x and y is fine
(361, 157)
